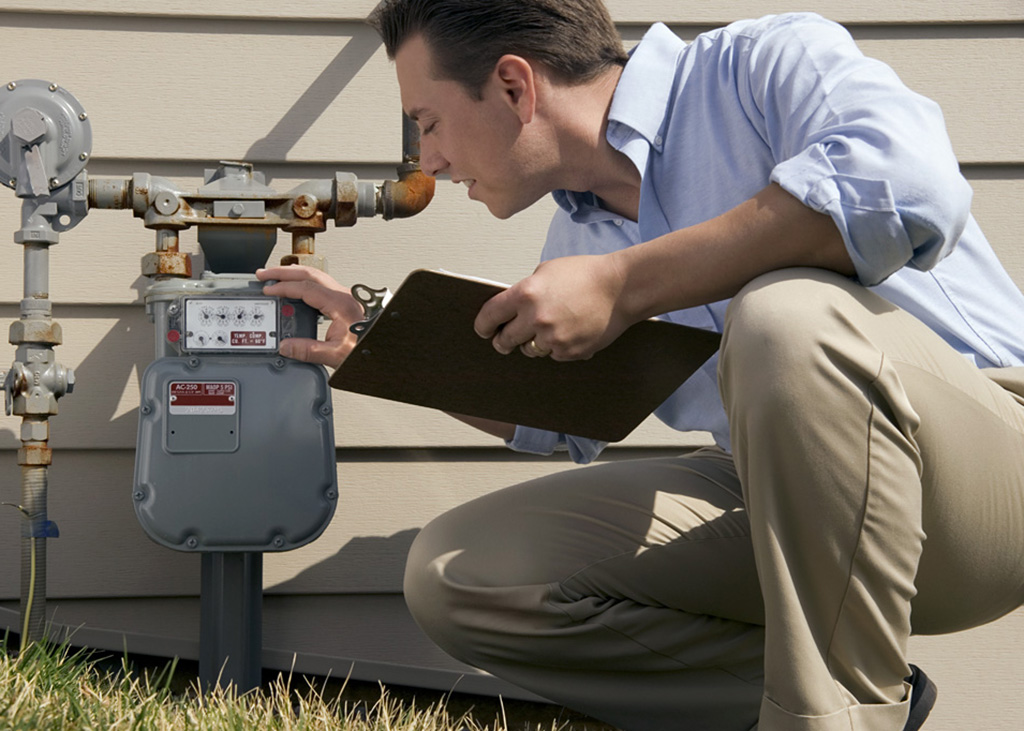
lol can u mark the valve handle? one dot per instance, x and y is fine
(8, 383)
(373, 301)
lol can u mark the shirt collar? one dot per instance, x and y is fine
(642, 96)
(581, 207)
(637, 113)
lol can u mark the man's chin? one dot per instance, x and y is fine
(506, 209)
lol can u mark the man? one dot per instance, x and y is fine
(769, 182)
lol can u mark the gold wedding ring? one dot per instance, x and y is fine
(532, 350)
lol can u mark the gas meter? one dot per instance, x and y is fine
(235, 454)
(228, 424)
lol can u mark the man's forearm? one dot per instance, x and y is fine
(713, 260)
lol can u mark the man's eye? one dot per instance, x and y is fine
(429, 128)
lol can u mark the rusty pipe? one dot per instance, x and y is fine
(406, 196)
(414, 189)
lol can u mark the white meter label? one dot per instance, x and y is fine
(202, 397)
(231, 324)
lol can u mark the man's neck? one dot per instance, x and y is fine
(580, 114)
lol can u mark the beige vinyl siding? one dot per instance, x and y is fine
(624, 11)
(305, 89)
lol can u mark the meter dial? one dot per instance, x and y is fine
(231, 324)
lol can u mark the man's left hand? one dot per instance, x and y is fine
(569, 308)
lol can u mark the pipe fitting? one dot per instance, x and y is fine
(407, 196)
(35, 430)
(167, 264)
(35, 456)
(305, 205)
(33, 389)
(35, 331)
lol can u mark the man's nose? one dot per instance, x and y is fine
(432, 162)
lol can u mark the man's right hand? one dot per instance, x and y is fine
(320, 291)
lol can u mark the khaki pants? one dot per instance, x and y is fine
(876, 488)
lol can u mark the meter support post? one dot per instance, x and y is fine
(231, 621)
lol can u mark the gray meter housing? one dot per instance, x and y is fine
(235, 443)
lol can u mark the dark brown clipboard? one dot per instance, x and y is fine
(422, 350)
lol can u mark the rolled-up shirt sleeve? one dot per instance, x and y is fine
(852, 141)
(538, 441)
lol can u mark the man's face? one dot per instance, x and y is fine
(480, 143)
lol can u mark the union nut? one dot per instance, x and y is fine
(33, 456)
(35, 331)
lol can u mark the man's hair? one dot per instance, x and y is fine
(574, 39)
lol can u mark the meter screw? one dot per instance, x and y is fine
(325, 409)
(278, 541)
(192, 542)
(138, 494)
(193, 362)
(279, 363)
(331, 494)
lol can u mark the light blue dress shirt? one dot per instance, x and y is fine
(792, 100)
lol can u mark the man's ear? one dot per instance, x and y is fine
(516, 81)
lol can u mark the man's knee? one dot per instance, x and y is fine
(780, 323)
(427, 591)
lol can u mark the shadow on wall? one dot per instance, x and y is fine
(320, 94)
(365, 564)
(102, 411)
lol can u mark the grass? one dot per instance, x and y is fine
(56, 688)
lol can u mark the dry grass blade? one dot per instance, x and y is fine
(52, 688)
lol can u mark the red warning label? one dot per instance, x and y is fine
(202, 397)
(248, 338)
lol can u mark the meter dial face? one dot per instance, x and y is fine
(231, 324)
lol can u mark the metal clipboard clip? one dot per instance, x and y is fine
(373, 302)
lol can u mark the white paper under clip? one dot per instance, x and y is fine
(472, 278)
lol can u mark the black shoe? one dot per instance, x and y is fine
(922, 698)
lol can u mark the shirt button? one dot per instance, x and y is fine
(658, 140)
(618, 221)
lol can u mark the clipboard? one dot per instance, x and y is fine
(421, 349)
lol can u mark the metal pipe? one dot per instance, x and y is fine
(113, 193)
(37, 271)
(410, 140)
(34, 397)
(414, 189)
(33, 553)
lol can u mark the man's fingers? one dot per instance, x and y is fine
(334, 303)
(314, 351)
(295, 273)
(496, 311)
